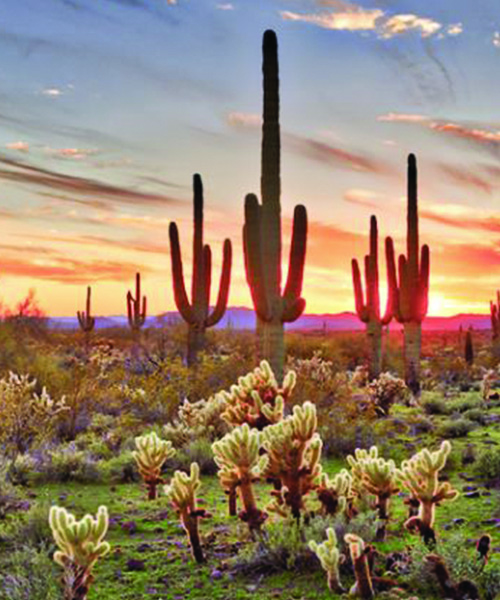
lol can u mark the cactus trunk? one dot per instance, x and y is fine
(383, 515)
(363, 578)
(76, 581)
(374, 333)
(273, 344)
(412, 347)
(251, 514)
(233, 500)
(196, 343)
(191, 526)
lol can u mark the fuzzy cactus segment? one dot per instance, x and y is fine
(419, 476)
(377, 476)
(150, 456)
(364, 585)
(182, 494)
(81, 544)
(240, 466)
(330, 558)
(294, 450)
(257, 399)
(335, 494)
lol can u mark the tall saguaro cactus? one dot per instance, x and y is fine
(495, 317)
(197, 312)
(262, 231)
(411, 293)
(369, 311)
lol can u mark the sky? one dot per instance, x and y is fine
(108, 108)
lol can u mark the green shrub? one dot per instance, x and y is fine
(455, 428)
(199, 451)
(487, 465)
(119, 469)
(433, 403)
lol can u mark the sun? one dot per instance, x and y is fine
(438, 305)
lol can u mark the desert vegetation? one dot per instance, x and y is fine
(185, 461)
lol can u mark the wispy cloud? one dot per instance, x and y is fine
(28, 174)
(19, 146)
(314, 149)
(465, 177)
(225, 6)
(71, 153)
(365, 198)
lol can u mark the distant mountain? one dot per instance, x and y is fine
(244, 318)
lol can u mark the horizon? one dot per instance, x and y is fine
(110, 107)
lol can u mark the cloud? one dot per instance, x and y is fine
(313, 149)
(225, 6)
(19, 146)
(472, 133)
(496, 39)
(27, 174)
(364, 198)
(399, 24)
(52, 92)
(465, 219)
(463, 176)
(71, 153)
(361, 20)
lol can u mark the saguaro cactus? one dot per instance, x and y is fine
(240, 466)
(411, 294)
(495, 317)
(150, 456)
(330, 558)
(197, 312)
(469, 348)
(369, 311)
(80, 545)
(262, 231)
(85, 320)
(136, 314)
(182, 494)
(419, 476)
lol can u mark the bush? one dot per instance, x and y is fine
(199, 451)
(487, 466)
(455, 428)
(119, 469)
(433, 403)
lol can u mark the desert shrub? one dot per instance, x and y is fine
(433, 403)
(29, 573)
(465, 401)
(475, 414)
(66, 463)
(119, 469)
(31, 526)
(460, 559)
(199, 451)
(455, 428)
(487, 465)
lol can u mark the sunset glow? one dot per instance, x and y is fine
(109, 106)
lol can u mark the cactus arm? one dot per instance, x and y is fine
(292, 312)
(412, 220)
(392, 283)
(253, 257)
(180, 294)
(293, 287)
(358, 292)
(207, 279)
(424, 282)
(197, 281)
(372, 272)
(225, 280)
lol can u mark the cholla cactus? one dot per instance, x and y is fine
(376, 476)
(198, 419)
(335, 494)
(330, 558)
(363, 586)
(294, 451)
(181, 493)
(80, 545)
(150, 456)
(240, 465)
(419, 476)
(257, 399)
(385, 390)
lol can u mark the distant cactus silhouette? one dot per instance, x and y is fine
(262, 231)
(411, 293)
(136, 315)
(469, 348)
(368, 306)
(85, 320)
(196, 313)
(495, 317)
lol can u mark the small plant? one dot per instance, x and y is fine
(335, 494)
(257, 399)
(363, 586)
(487, 466)
(419, 476)
(385, 390)
(456, 428)
(294, 450)
(150, 456)
(376, 476)
(240, 466)
(330, 558)
(182, 494)
(80, 545)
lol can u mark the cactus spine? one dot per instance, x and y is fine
(330, 558)
(197, 312)
(150, 456)
(262, 231)
(411, 294)
(80, 545)
(419, 476)
(240, 466)
(369, 311)
(181, 493)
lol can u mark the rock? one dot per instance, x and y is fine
(216, 574)
(134, 564)
(475, 494)
(143, 547)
